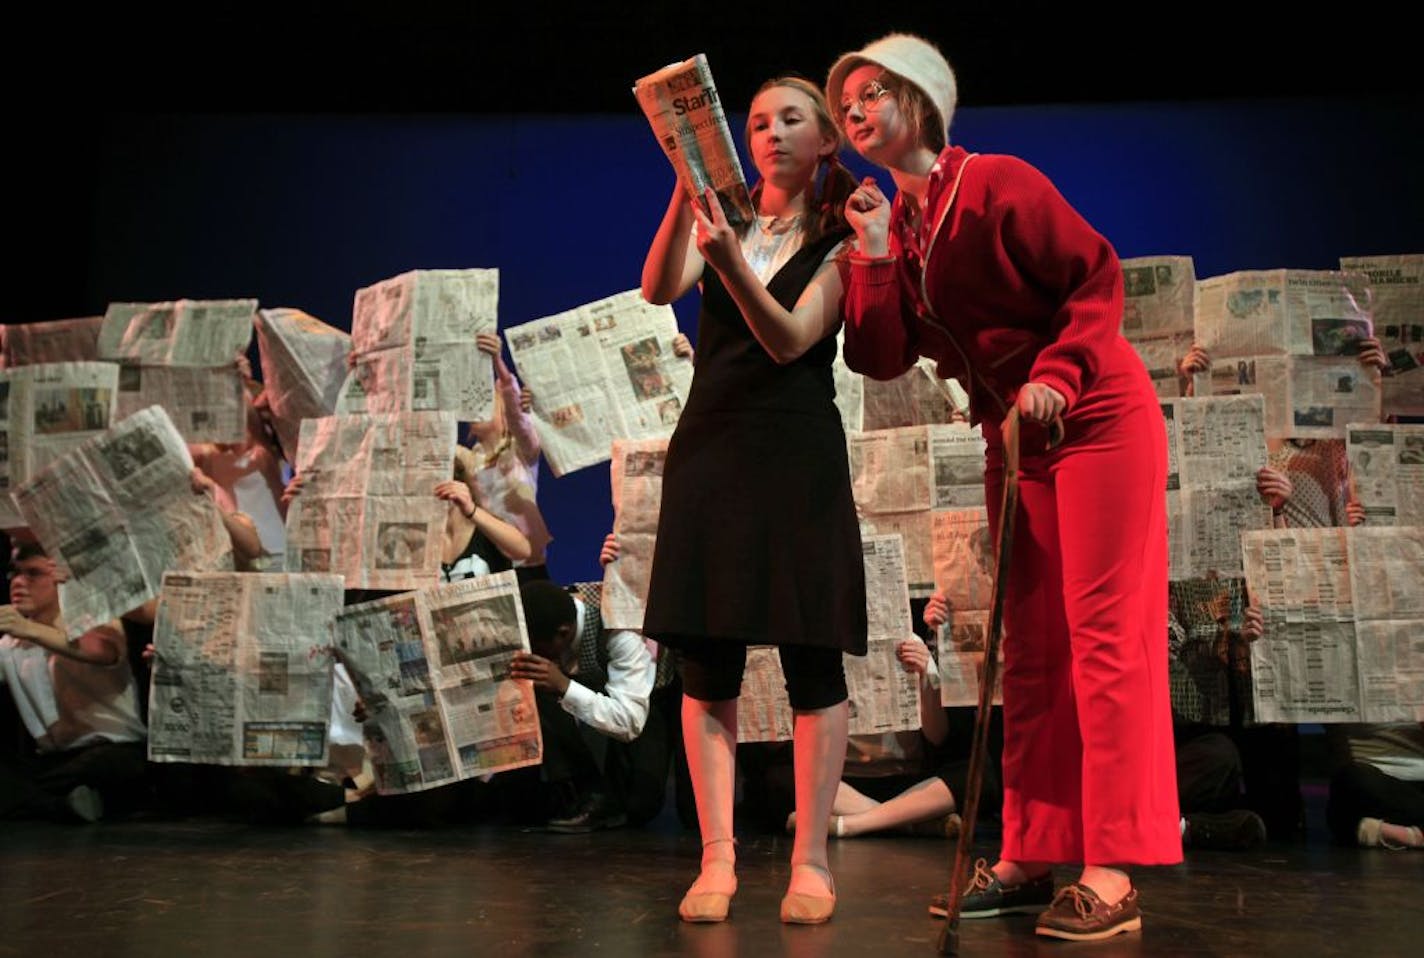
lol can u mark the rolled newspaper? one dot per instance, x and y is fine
(681, 103)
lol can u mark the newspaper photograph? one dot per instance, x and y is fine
(303, 368)
(206, 403)
(688, 119)
(1343, 611)
(1215, 447)
(1159, 315)
(367, 509)
(603, 371)
(54, 341)
(46, 411)
(242, 668)
(413, 344)
(1387, 472)
(637, 477)
(187, 332)
(432, 669)
(1398, 286)
(118, 512)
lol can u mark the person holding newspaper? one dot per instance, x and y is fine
(757, 540)
(983, 266)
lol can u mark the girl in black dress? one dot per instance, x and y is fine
(757, 540)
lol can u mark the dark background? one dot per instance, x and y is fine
(297, 152)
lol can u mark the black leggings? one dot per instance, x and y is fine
(815, 677)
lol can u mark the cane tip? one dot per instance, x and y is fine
(949, 941)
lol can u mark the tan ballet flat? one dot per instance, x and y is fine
(798, 908)
(708, 906)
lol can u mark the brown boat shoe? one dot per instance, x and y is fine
(1078, 914)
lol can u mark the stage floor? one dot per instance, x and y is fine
(213, 889)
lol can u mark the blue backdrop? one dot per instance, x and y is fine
(302, 210)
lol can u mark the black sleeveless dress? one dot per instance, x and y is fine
(758, 542)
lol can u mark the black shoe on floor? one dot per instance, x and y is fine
(1236, 830)
(596, 812)
(986, 896)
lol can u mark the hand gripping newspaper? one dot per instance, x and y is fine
(1293, 336)
(46, 411)
(1387, 472)
(1398, 286)
(181, 356)
(636, 472)
(1158, 315)
(367, 509)
(682, 106)
(432, 668)
(413, 343)
(603, 371)
(117, 513)
(242, 668)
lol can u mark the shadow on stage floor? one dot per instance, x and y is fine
(214, 889)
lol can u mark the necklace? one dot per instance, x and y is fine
(777, 225)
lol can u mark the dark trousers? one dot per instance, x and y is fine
(1362, 791)
(1208, 773)
(35, 786)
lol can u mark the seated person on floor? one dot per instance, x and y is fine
(1377, 795)
(592, 687)
(75, 700)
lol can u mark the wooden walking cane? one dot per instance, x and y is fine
(989, 678)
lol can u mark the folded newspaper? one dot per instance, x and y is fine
(681, 103)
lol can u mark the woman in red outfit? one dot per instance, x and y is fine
(980, 264)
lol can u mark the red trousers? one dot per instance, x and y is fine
(1088, 764)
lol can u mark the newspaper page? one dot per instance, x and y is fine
(47, 411)
(637, 474)
(963, 547)
(1387, 472)
(917, 398)
(602, 371)
(55, 341)
(118, 512)
(1343, 611)
(242, 668)
(206, 403)
(898, 476)
(413, 343)
(367, 509)
(1215, 447)
(182, 333)
(1307, 397)
(1208, 663)
(303, 368)
(1398, 285)
(682, 106)
(1292, 336)
(883, 696)
(1158, 316)
(432, 668)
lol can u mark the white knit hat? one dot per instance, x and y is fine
(915, 59)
